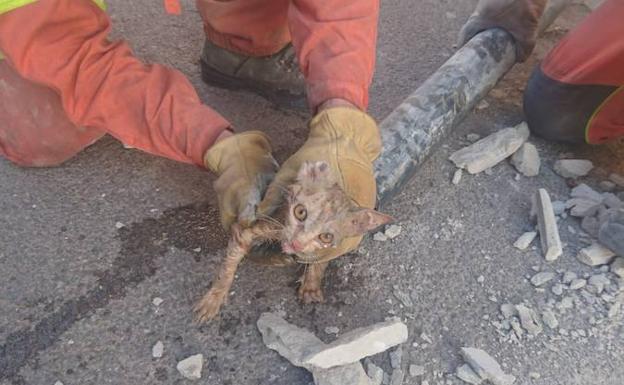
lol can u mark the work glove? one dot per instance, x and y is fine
(244, 166)
(348, 140)
(518, 17)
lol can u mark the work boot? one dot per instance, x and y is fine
(275, 77)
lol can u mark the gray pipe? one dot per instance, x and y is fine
(417, 126)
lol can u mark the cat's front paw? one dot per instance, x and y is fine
(208, 307)
(310, 293)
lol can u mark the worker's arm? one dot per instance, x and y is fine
(63, 45)
(518, 17)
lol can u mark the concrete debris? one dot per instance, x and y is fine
(582, 207)
(526, 160)
(416, 370)
(472, 137)
(157, 301)
(393, 231)
(557, 289)
(332, 330)
(380, 237)
(617, 179)
(550, 319)
(611, 233)
(591, 226)
(466, 374)
(480, 279)
(598, 282)
(547, 225)
(375, 373)
(577, 283)
(523, 242)
(402, 296)
(568, 277)
(559, 207)
(158, 349)
(595, 255)
(573, 168)
(119, 225)
(612, 201)
(508, 310)
(191, 367)
(491, 150)
(529, 320)
(565, 303)
(617, 267)
(535, 375)
(352, 374)
(607, 185)
(396, 356)
(486, 367)
(457, 176)
(583, 191)
(359, 343)
(397, 377)
(58, 383)
(541, 278)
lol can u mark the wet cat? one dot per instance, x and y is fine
(316, 214)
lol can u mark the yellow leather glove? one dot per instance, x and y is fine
(348, 140)
(245, 166)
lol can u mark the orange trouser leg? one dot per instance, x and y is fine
(250, 27)
(35, 131)
(63, 45)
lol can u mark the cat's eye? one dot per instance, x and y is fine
(300, 212)
(326, 237)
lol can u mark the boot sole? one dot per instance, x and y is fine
(283, 99)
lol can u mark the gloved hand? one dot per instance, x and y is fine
(245, 166)
(348, 140)
(518, 17)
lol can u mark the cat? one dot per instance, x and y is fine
(316, 214)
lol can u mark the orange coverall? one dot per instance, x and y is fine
(63, 84)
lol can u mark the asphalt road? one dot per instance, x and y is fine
(76, 293)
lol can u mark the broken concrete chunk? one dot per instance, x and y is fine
(352, 374)
(332, 330)
(491, 150)
(611, 233)
(573, 168)
(582, 207)
(359, 343)
(393, 231)
(612, 201)
(397, 377)
(547, 225)
(486, 367)
(557, 289)
(617, 179)
(396, 357)
(529, 320)
(119, 225)
(550, 319)
(157, 301)
(617, 267)
(457, 176)
(595, 255)
(375, 373)
(416, 370)
(585, 192)
(508, 310)
(577, 283)
(598, 282)
(525, 240)
(380, 237)
(158, 349)
(541, 278)
(606, 185)
(466, 374)
(568, 277)
(526, 160)
(591, 226)
(191, 367)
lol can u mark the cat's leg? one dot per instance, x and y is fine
(311, 283)
(211, 302)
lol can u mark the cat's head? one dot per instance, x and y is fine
(320, 215)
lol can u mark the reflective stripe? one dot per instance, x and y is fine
(101, 4)
(9, 5)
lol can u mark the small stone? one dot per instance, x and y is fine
(612, 201)
(466, 374)
(58, 383)
(425, 338)
(396, 356)
(559, 207)
(157, 301)
(550, 319)
(617, 179)
(397, 377)
(332, 330)
(375, 373)
(595, 255)
(529, 320)
(197, 249)
(573, 168)
(607, 185)
(591, 226)
(480, 279)
(535, 375)
(457, 176)
(577, 283)
(547, 225)
(486, 367)
(472, 137)
(508, 310)
(541, 278)
(617, 267)
(119, 225)
(583, 191)
(424, 382)
(158, 349)
(523, 242)
(563, 332)
(416, 370)
(380, 237)
(598, 283)
(557, 289)
(393, 231)
(402, 296)
(568, 277)
(491, 150)
(191, 367)
(566, 303)
(526, 160)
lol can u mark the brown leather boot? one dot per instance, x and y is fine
(275, 77)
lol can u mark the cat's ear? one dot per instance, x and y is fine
(314, 172)
(364, 220)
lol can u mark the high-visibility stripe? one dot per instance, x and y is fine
(101, 4)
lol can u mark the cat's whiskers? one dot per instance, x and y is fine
(263, 217)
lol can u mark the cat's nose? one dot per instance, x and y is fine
(296, 245)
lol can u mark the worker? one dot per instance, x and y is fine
(576, 94)
(64, 84)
